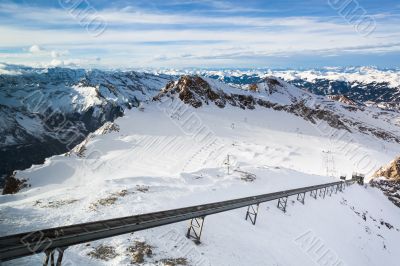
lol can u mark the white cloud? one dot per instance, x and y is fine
(57, 54)
(35, 49)
(56, 62)
(69, 62)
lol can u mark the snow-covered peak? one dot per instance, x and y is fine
(270, 85)
(279, 91)
(363, 75)
(197, 91)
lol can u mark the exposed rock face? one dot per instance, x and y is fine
(312, 115)
(269, 84)
(391, 186)
(107, 128)
(342, 99)
(381, 94)
(253, 87)
(391, 171)
(13, 185)
(192, 90)
(196, 91)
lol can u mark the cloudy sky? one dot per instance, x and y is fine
(200, 33)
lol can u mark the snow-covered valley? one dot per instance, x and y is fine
(168, 154)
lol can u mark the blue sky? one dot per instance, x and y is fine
(200, 33)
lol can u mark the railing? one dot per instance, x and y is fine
(59, 238)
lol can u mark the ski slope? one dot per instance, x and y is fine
(155, 160)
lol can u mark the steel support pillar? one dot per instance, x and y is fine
(301, 197)
(313, 194)
(252, 212)
(49, 257)
(329, 191)
(322, 192)
(195, 229)
(282, 202)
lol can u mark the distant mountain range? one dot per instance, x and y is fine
(363, 84)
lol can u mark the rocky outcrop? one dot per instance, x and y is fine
(342, 99)
(107, 128)
(381, 94)
(269, 85)
(80, 149)
(13, 184)
(390, 185)
(192, 90)
(390, 171)
(390, 188)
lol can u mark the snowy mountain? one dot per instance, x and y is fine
(48, 111)
(363, 84)
(274, 93)
(199, 140)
